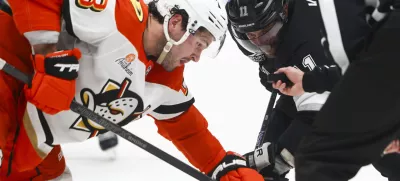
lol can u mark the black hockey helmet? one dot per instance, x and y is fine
(253, 15)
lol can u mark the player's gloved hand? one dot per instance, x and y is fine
(270, 164)
(233, 168)
(53, 85)
(265, 68)
(296, 77)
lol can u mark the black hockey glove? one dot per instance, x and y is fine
(268, 163)
(266, 67)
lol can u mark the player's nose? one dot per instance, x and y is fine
(196, 55)
(195, 58)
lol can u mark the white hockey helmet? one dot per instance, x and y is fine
(209, 14)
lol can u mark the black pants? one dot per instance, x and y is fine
(361, 116)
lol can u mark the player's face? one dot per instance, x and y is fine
(266, 39)
(189, 50)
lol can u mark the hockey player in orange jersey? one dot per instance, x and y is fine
(120, 58)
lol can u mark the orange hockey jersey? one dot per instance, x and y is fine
(116, 80)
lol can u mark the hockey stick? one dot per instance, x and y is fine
(261, 134)
(85, 112)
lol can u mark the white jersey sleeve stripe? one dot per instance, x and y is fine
(329, 17)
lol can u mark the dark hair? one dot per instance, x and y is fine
(154, 11)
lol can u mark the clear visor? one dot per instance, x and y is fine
(213, 49)
(266, 39)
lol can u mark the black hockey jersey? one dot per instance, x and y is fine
(300, 46)
(345, 28)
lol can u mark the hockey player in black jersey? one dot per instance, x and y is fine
(361, 116)
(278, 34)
(324, 79)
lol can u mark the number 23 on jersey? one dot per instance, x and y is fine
(100, 5)
(94, 5)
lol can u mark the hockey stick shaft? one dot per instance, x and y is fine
(14, 72)
(261, 134)
(85, 112)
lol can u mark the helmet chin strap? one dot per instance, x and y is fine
(170, 42)
(164, 53)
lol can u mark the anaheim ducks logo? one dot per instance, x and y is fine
(115, 102)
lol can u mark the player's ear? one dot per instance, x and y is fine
(175, 27)
(175, 23)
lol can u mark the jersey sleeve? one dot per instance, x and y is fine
(189, 133)
(178, 101)
(179, 121)
(309, 56)
(321, 78)
(91, 21)
(345, 28)
(38, 21)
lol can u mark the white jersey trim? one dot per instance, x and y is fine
(310, 101)
(331, 23)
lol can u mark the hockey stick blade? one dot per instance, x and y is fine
(85, 112)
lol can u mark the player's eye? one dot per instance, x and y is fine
(267, 28)
(201, 45)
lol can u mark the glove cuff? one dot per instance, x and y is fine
(231, 161)
(284, 162)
